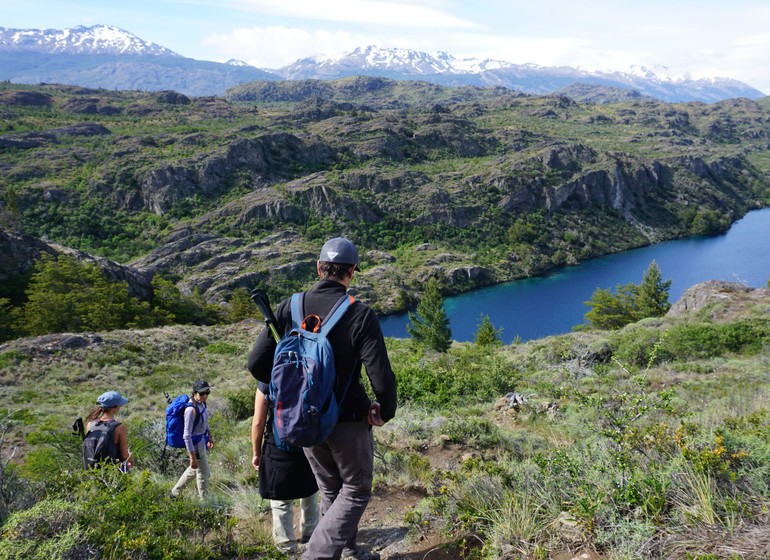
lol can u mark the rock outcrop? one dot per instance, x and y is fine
(720, 300)
(19, 252)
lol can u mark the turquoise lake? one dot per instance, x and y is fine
(553, 304)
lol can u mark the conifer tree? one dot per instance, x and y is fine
(652, 294)
(631, 303)
(487, 334)
(6, 320)
(430, 324)
(66, 295)
(241, 305)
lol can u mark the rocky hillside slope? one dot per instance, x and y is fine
(471, 185)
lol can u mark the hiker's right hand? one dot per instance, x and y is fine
(255, 460)
(193, 461)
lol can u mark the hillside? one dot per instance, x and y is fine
(648, 442)
(471, 185)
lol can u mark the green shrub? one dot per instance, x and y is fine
(132, 516)
(707, 340)
(49, 529)
(224, 349)
(634, 345)
(241, 401)
(472, 431)
(465, 375)
(12, 358)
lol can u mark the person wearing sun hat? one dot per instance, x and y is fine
(343, 465)
(197, 440)
(102, 418)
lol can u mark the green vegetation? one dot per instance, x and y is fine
(429, 325)
(631, 302)
(487, 334)
(649, 439)
(646, 441)
(65, 295)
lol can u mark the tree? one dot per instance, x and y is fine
(241, 305)
(179, 308)
(6, 320)
(430, 324)
(65, 295)
(631, 302)
(487, 334)
(611, 311)
(652, 294)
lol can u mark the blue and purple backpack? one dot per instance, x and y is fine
(303, 380)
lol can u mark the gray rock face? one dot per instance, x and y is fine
(705, 294)
(218, 265)
(19, 252)
(262, 159)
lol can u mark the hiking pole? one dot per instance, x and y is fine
(260, 298)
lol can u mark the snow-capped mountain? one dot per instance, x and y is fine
(109, 57)
(442, 67)
(98, 39)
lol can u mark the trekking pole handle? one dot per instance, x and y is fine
(263, 303)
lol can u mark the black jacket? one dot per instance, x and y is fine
(357, 339)
(283, 475)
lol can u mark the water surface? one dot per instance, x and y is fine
(553, 304)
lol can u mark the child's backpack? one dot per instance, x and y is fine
(303, 379)
(175, 420)
(99, 444)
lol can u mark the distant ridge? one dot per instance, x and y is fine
(108, 57)
(103, 56)
(443, 68)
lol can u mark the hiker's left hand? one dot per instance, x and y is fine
(210, 444)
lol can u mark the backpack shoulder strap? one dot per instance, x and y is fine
(297, 307)
(191, 404)
(336, 313)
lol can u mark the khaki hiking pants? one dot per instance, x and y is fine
(201, 475)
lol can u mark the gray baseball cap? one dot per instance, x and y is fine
(339, 250)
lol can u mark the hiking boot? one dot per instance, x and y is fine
(359, 553)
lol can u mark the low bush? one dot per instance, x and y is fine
(461, 377)
(121, 516)
(692, 341)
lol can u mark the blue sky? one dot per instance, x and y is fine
(704, 38)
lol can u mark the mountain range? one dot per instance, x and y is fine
(107, 57)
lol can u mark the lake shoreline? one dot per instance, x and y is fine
(460, 307)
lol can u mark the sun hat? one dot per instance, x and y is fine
(111, 399)
(201, 386)
(339, 250)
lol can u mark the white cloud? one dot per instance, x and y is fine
(357, 11)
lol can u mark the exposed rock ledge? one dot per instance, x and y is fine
(721, 299)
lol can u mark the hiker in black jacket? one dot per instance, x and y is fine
(344, 464)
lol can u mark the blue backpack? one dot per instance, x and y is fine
(303, 379)
(175, 421)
